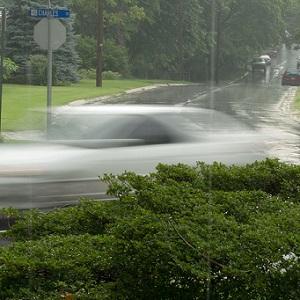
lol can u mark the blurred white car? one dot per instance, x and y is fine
(88, 141)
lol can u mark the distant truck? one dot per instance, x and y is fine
(258, 64)
(267, 59)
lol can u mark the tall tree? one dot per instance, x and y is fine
(241, 28)
(180, 39)
(99, 46)
(20, 43)
(292, 20)
(120, 18)
(166, 41)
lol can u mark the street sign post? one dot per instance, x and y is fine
(49, 34)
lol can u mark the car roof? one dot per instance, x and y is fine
(265, 56)
(127, 109)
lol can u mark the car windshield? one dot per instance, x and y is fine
(293, 73)
(117, 127)
(258, 60)
(92, 126)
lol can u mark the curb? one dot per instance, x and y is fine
(128, 92)
(144, 89)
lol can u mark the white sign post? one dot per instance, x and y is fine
(49, 34)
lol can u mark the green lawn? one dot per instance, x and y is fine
(19, 101)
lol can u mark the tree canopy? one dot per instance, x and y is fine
(180, 39)
(172, 39)
(21, 46)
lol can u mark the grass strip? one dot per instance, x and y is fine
(19, 101)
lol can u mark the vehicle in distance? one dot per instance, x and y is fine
(259, 63)
(266, 58)
(88, 141)
(272, 52)
(291, 77)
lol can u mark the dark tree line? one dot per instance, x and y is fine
(177, 39)
(172, 39)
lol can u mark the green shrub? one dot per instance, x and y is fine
(37, 69)
(37, 66)
(86, 49)
(88, 217)
(115, 58)
(55, 265)
(10, 67)
(87, 74)
(110, 75)
(178, 233)
(271, 176)
(106, 75)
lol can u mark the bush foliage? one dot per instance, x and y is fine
(9, 68)
(110, 75)
(37, 67)
(115, 57)
(21, 48)
(180, 233)
(106, 75)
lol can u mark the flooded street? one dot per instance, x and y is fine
(259, 100)
(262, 102)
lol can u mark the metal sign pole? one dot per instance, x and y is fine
(49, 33)
(50, 61)
(3, 24)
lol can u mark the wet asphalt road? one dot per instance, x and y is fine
(259, 100)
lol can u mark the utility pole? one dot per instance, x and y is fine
(3, 25)
(180, 12)
(50, 59)
(99, 47)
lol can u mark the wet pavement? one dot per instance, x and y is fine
(259, 100)
(262, 102)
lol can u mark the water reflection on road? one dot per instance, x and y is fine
(263, 103)
(259, 100)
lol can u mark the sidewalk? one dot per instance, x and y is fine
(105, 99)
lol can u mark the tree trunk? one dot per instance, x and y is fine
(180, 39)
(99, 47)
